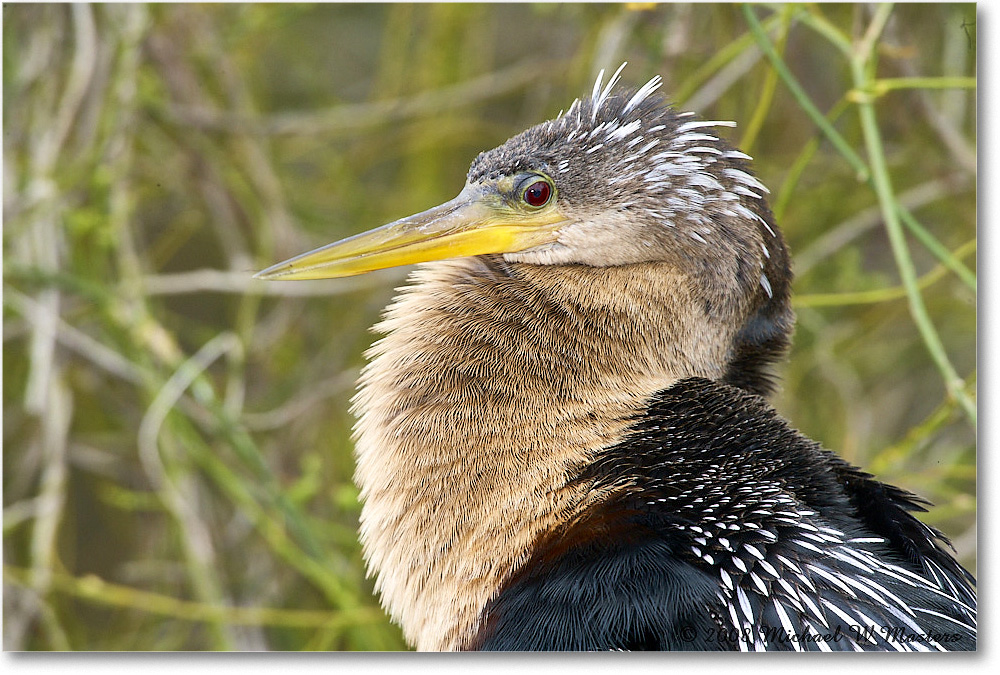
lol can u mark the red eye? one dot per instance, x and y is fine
(538, 193)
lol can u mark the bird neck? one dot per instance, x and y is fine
(494, 383)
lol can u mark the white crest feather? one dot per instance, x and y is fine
(643, 93)
(600, 96)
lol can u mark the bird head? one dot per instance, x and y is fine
(619, 178)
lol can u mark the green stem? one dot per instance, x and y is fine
(781, 201)
(723, 56)
(766, 96)
(818, 118)
(798, 167)
(947, 258)
(885, 85)
(879, 294)
(865, 49)
(894, 454)
(815, 20)
(907, 272)
(862, 67)
(98, 591)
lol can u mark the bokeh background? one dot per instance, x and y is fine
(176, 442)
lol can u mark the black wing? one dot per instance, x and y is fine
(723, 528)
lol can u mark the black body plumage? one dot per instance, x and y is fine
(728, 530)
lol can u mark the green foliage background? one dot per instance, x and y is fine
(177, 462)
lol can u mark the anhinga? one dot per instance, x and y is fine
(561, 441)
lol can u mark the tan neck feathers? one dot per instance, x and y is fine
(494, 381)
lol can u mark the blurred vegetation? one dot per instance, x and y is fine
(177, 462)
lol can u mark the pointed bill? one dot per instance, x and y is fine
(474, 223)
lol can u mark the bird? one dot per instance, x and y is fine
(563, 439)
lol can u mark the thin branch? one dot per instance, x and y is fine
(818, 118)
(298, 406)
(885, 85)
(840, 235)
(98, 591)
(177, 495)
(221, 281)
(728, 76)
(75, 339)
(879, 294)
(686, 89)
(355, 117)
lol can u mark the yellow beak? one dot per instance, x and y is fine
(474, 223)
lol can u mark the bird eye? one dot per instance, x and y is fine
(538, 193)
